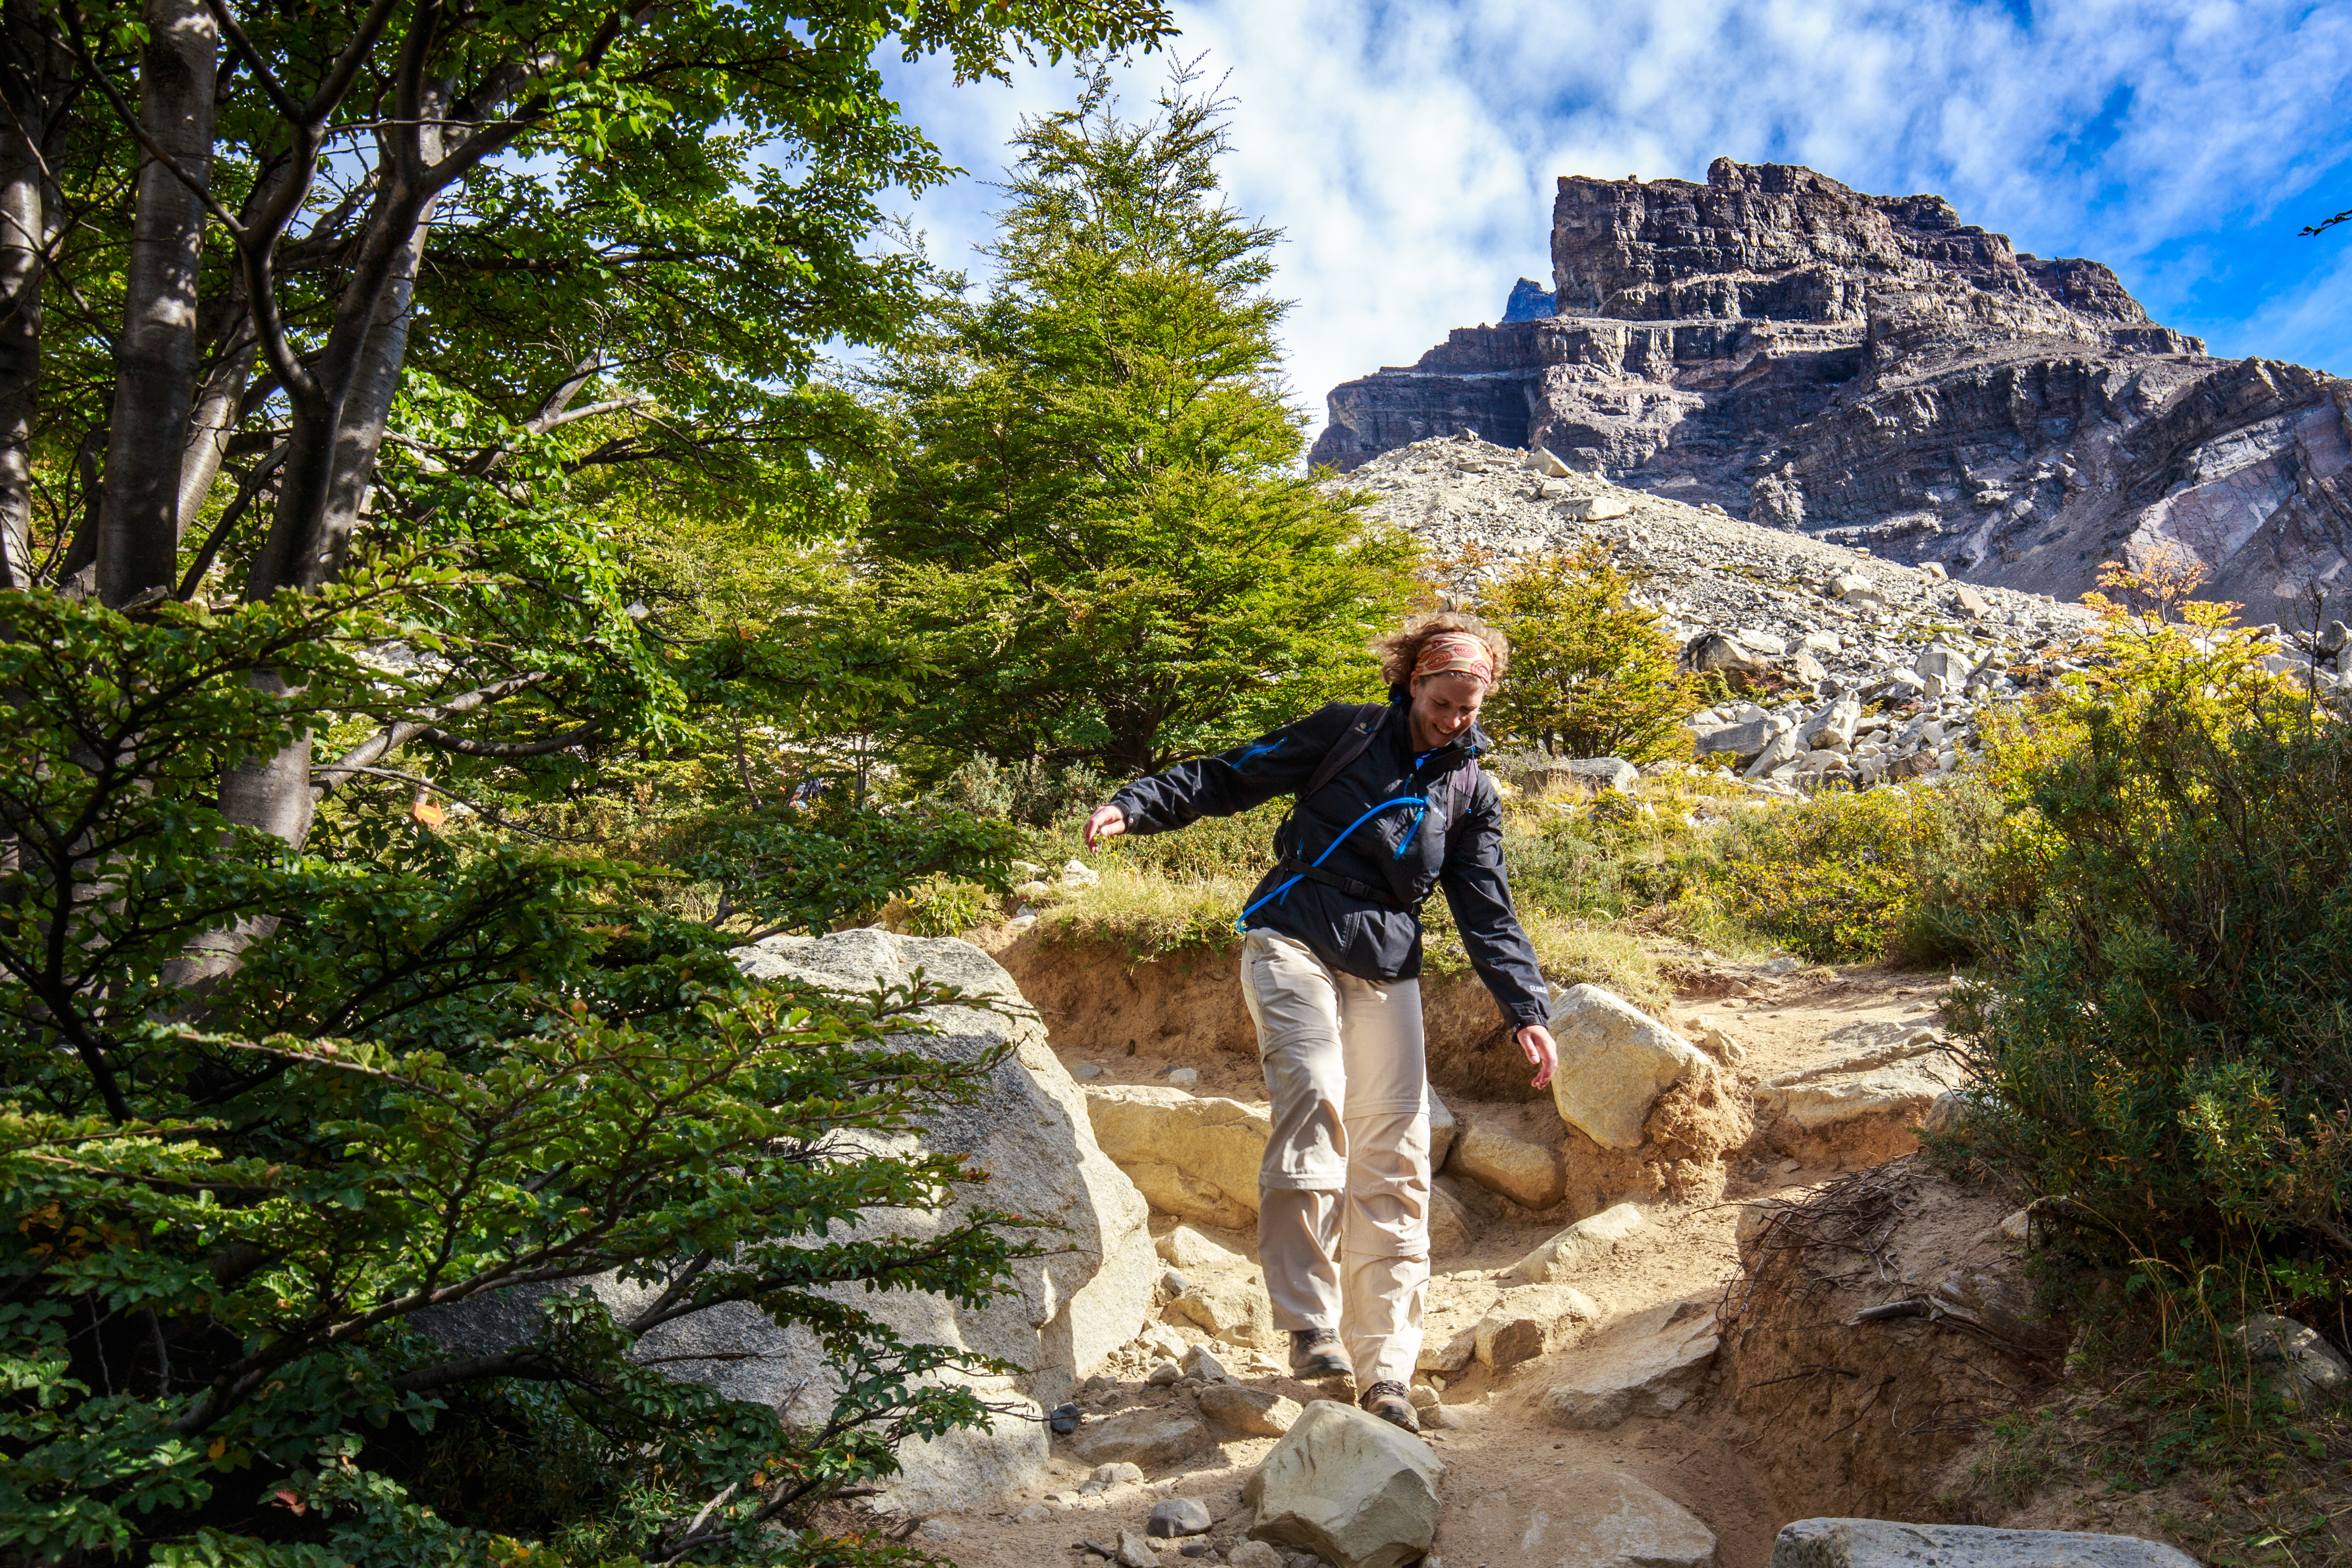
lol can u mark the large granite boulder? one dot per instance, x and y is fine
(1030, 1133)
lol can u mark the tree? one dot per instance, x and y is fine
(249, 247)
(1591, 676)
(1089, 517)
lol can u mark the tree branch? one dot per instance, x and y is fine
(394, 736)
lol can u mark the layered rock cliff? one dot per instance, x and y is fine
(1871, 370)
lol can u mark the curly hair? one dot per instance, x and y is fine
(1399, 651)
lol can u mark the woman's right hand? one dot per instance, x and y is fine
(1108, 822)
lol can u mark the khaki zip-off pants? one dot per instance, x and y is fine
(1343, 1191)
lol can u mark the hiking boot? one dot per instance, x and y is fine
(1316, 1354)
(1392, 1403)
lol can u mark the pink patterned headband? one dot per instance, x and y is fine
(1455, 653)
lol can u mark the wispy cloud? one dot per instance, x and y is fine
(1410, 150)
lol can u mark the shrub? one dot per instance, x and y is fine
(2165, 1032)
(1841, 877)
(449, 1068)
(1592, 676)
(945, 906)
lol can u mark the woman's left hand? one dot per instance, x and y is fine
(1542, 1050)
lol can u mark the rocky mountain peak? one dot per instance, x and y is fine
(1872, 370)
(1782, 242)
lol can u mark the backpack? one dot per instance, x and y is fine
(1461, 783)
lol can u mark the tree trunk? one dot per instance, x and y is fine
(155, 363)
(29, 74)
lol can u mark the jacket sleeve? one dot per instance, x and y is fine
(1479, 894)
(1277, 764)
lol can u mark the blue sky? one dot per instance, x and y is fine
(1410, 149)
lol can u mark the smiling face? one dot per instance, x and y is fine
(1443, 706)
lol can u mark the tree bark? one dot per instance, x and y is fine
(29, 74)
(155, 363)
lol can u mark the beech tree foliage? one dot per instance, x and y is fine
(1090, 520)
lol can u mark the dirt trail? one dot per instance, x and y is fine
(1506, 1464)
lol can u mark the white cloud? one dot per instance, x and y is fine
(1410, 149)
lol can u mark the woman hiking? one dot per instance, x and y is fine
(1390, 806)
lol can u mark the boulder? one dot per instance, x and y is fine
(1885, 1543)
(1605, 1518)
(1188, 1248)
(1239, 1410)
(1595, 509)
(1234, 1308)
(1581, 1243)
(1783, 748)
(1541, 460)
(1451, 1232)
(1029, 1132)
(1574, 776)
(1969, 602)
(1947, 665)
(1348, 1487)
(1714, 651)
(1529, 1175)
(1152, 1439)
(1614, 1062)
(1833, 728)
(1743, 738)
(1253, 1554)
(1650, 1364)
(2315, 1370)
(1530, 1321)
(1195, 1156)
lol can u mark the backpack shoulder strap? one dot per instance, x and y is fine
(1353, 742)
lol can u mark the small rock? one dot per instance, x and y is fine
(1609, 1520)
(1078, 874)
(1883, 1543)
(1154, 1438)
(1580, 1243)
(1164, 1375)
(1348, 1487)
(1199, 1362)
(1235, 1309)
(1034, 1513)
(1247, 1412)
(1184, 1076)
(1530, 1321)
(1253, 1554)
(1649, 1365)
(1114, 1474)
(1173, 1282)
(1084, 1071)
(1134, 1551)
(1178, 1516)
(939, 1530)
(1530, 1176)
(2018, 1227)
(1063, 1420)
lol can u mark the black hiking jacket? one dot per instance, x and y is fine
(1398, 855)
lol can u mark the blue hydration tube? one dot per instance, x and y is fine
(1420, 809)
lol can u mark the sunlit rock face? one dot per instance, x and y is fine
(1871, 370)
